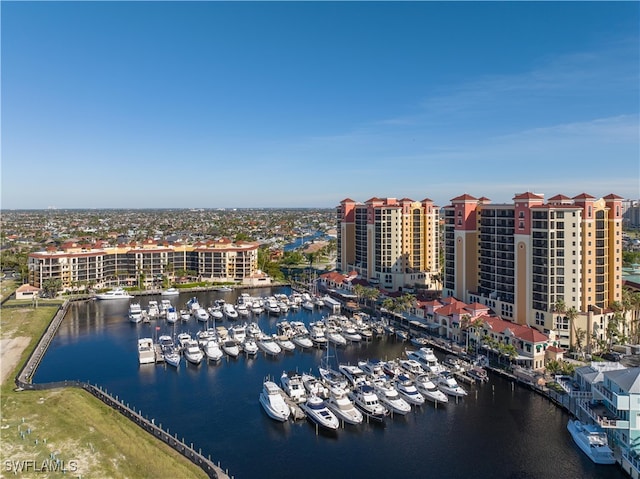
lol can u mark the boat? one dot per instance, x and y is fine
(401, 334)
(314, 386)
(592, 440)
(269, 346)
(372, 368)
(429, 390)
(170, 292)
(237, 332)
(165, 304)
(316, 334)
(153, 311)
(333, 378)
(146, 351)
(242, 310)
(230, 347)
(229, 311)
(427, 359)
(448, 384)
(302, 340)
(366, 400)
(193, 305)
(390, 398)
(172, 315)
(249, 346)
(201, 315)
(223, 289)
(340, 404)
(408, 390)
(169, 351)
(308, 305)
(335, 337)
(273, 403)
(192, 352)
(116, 293)
(293, 387)
(285, 343)
(185, 315)
(351, 334)
(411, 366)
(478, 373)
(318, 412)
(135, 312)
(354, 374)
(271, 305)
(212, 350)
(419, 341)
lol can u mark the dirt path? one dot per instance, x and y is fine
(10, 352)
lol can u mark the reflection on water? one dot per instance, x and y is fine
(497, 431)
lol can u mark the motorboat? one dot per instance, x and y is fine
(231, 347)
(153, 310)
(238, 332)
(273, 403)
(408, 390)
(478, 373)
(401, 334)
(193, 305)
(285, 343)
(242, 310)
(192, 352)
(372, 368)
(592, 440)
(392, 368)
(223, 289)
(249, 346)
(292, 385)
(308, 305)
(229, 311)
(116, 293)
(354, 374)
(212, 350)
(257, 308)
(448, 384)
(201, 315)
(390, 398)
(411, 366)
(419, 341)
(302, 340)
(204, 336)
(146, 351)
(172, 315)
(316, 334)
(253, 331)
(351, 334)
(271, 306)
(185, 315)
(333, 378)
(427, 359)
(335, 337)
(429, 390)
(269, 346)
(169, 351)
(170, 292)
(183, 340)
(165, 304)
(135, 312)
(318, 412)
(314, 386)
(367, 401)
(340, 404)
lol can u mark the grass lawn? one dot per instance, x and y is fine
(89, 438)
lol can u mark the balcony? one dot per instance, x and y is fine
(602, 416)
(617, 401)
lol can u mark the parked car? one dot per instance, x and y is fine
(612, 356)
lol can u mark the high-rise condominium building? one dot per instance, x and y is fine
(392, 243)
(523, 259)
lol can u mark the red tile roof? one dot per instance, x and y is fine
(584, 196)
(613, 196)
(528, 196)
(464, 197)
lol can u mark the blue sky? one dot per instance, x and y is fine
(303, 104)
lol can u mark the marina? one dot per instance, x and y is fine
(194, 400)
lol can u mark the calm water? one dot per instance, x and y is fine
(496, 432)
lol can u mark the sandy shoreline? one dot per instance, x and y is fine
(10, 352)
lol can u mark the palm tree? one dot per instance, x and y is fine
(572, 314)
(358, 289)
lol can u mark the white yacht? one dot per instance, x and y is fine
(230, 347)
(185, 315)
(308, 305)
(318, 412)
(292, 385)
(170, 292)
(269, 346)
(317, 336)
(592, 440)
(242, 310)
(427, 359)
(390, 398)
(212, 350)
(354, 374)
(172, 315)
(314, 386)
(201, 315)
(448, 384)
(153, 310)
(271, 305)
(302, 340)
(192, 352)
(273, 403)
(340, 404)
(372, 368)
(193, 305)
(478, 373)
(335, 337)
(135, 312)
(429, 390)
(285, 343)
(367, 401)
(411, 366)
(116, 293)
(146, 351)
(351, 334)
(229, 311)
(238, 332)
(408, 390)
(333, 378)
(169, 351)
(249, 346)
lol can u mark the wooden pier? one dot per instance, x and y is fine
(159, 355)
